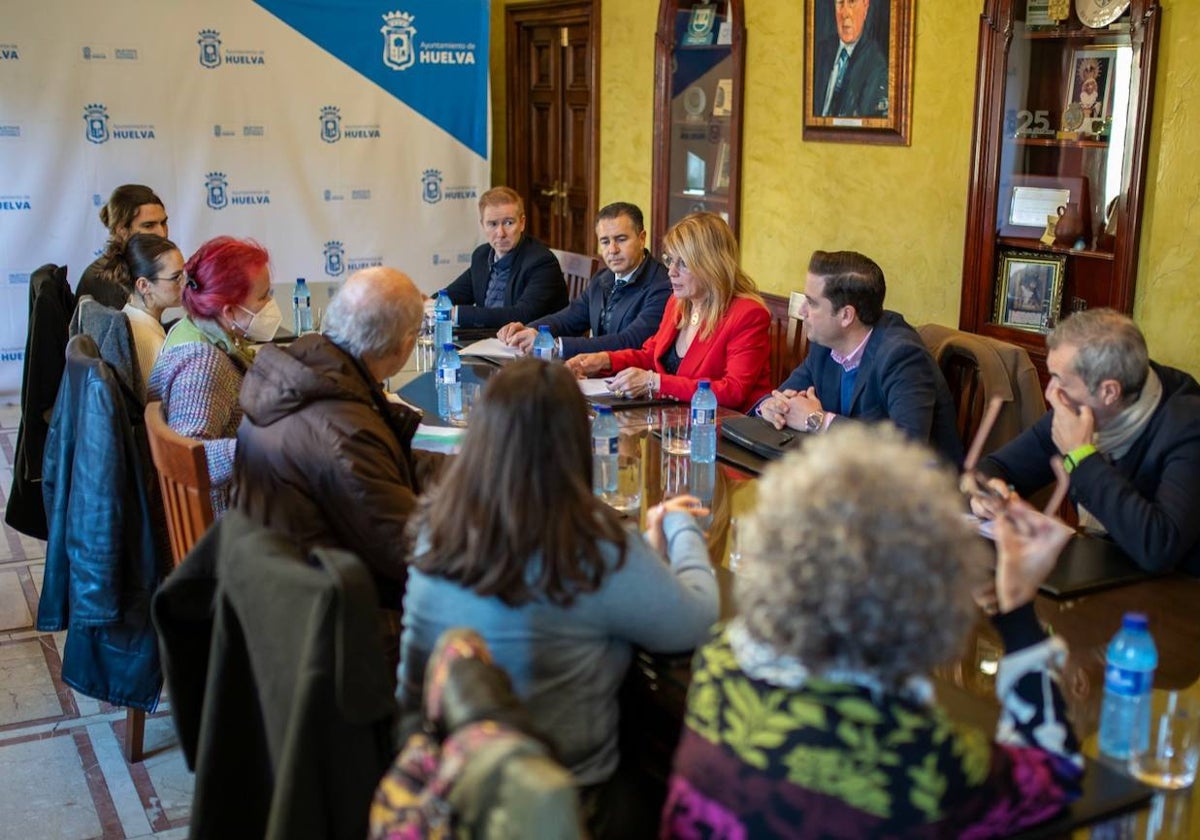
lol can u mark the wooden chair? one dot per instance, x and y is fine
(183, 478)
(966, 387)
(789, 344)
(578, 270)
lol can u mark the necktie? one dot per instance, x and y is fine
(839, 76)
(606, 312)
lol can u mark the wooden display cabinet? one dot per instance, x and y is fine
(699, 70)
(1062, 120)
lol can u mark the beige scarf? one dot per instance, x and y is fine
(1115, 439)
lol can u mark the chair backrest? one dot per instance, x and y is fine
(789, 344)
(966, 387)
(577, 269)
(183, 476)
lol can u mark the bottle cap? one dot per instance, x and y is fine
(704, 384)
(604, 409)
(1135, 621)
(300, 281)
(544, 329)
(449, 346)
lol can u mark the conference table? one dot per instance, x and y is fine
(654, 697)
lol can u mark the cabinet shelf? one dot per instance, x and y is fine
(716, 198)
(1054, 142)
(1072, 34)
(1036, 245)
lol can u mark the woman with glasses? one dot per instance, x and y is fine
(229, 304)
(512, 543)
(715, 326)
(148, 268)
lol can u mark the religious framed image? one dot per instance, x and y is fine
(858, 71)
(1029, 288)
(723, 98)
(1090, 91)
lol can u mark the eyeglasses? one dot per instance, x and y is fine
(177, 277)
(677, 262)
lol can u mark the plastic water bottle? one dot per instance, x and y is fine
(443, 326)
(449, 382)
(301, 307)
(543, 345)
(704, 423)
(605, 437)
(1128, 678)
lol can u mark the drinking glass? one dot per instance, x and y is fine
(425, 349)
(470, 393)
(675, 425)
(1168, 759)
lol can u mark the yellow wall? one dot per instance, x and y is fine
(906, 207)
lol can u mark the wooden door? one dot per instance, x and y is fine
(553, 66)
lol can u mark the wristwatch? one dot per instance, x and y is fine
(815, 421)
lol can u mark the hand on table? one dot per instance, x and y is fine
(790, 408)
(588, 364)
(632, 382)
(521, 338)
(508, 329)
(656, 514)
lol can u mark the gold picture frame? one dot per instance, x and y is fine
(868, 97)
(1029, 286)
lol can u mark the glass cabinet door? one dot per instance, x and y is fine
(1062, 126)
(698, 111)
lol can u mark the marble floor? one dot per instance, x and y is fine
(62, 770)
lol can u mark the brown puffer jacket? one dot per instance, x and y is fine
(325, 459)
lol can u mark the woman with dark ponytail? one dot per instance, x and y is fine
(149, 271)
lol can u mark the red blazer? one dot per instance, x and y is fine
(736, 357)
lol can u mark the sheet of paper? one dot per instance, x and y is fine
(493, 347)
(440, 431)
(594, 387)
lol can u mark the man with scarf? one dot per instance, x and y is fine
(1128, 431)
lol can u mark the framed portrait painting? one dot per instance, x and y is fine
(1029, 289)
(858, 70)
(1090, 90)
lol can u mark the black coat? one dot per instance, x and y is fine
(1149, 500)
(535, 287)
(278, 684)
(50, 306)
(636, 311)
(102, 560)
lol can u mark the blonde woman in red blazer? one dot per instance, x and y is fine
(715, 325)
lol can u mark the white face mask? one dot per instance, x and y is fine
(263, 324)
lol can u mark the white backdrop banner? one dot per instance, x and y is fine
(340, 134)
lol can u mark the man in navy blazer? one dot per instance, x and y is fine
(622, 304)
(864, 363)
(512, 277)
(1128, 430)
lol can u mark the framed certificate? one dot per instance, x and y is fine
(1030, 199)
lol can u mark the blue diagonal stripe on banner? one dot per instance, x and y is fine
(430, 54)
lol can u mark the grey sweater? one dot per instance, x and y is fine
(567, 663)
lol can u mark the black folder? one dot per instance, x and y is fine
(760, 437)
(1089, 563)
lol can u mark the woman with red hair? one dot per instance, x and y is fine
(229, 303)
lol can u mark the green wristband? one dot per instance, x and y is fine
(1076, 456)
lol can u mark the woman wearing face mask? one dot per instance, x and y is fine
(149, 269)
(229, 305)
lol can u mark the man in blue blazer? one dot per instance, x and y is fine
(622, 304)
(864, 363)
(512, 277)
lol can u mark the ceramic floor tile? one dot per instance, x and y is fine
(164, 764)
(27, 691)
(45, 792)
(14, 612)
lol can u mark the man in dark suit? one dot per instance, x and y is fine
(512, 277)
(850, 73)
(1128, 430)
(622, 304)
(865, 363)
